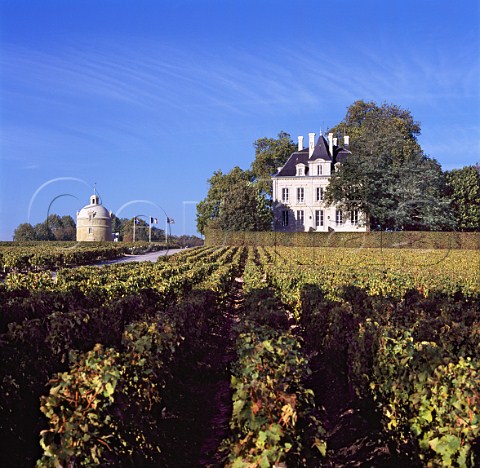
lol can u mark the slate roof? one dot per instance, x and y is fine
(320, 151)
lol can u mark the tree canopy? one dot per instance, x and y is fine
(234, 202)
(241, 200)
(463, 189)
(270, 153)
(63, 228)
(124, 227)
(387, 175)
(53, 228)
(24, 232)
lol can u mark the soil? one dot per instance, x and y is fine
(201, 405)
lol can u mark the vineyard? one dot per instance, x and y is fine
(243, 357)
(37, 256)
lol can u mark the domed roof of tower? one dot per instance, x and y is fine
(94, 209)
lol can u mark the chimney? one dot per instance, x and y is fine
(335, 142)
(330, 143)
(300, 143)
(311, 143)
(346, 140)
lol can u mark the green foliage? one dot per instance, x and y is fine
(142, 227)
(53, 228)
(43, 232)
(269, 399)
(24, 232)
(77, 409)
(233, 202)
(240, 200)
(38, 256)
(244, 209)
(426, 394)
(63, 228)
(401, 324)
(270, 153)
(366, 240)
(274, 420)
(416, 355)
(463, 189)
(449, 398)
(83, 428)
(387, 175)
(56, 228)
(189, 241)
(46, 320)
(220, 281)
(385, 129)
(121, 409)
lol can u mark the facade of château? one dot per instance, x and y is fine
(299, 188)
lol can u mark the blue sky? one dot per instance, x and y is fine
(147, 98)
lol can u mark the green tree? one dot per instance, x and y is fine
(463, 190)
(388, 176)
(24, 232)
(242, 199)
(118, 225)
(54, 222)
(53, 228)
(141, 230)
(43, 232)
(270, 153)
(234, 201)
(158, 235)
(69, 229)
(189, 241)
(245, 209)
(63, 228)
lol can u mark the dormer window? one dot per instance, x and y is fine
(300, 169)
(319, 169)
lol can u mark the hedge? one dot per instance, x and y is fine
(398, 239)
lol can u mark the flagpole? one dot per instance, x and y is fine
(166, 227)
(134, 222)
(150, 231)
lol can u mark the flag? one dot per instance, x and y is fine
(136, 221)
(170, 221)
(153, 221)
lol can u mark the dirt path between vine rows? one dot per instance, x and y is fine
(218, 425)
(201, 406)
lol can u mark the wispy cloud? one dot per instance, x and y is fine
(116, 96)
(149, 76)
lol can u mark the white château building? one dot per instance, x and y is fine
(299, 189)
